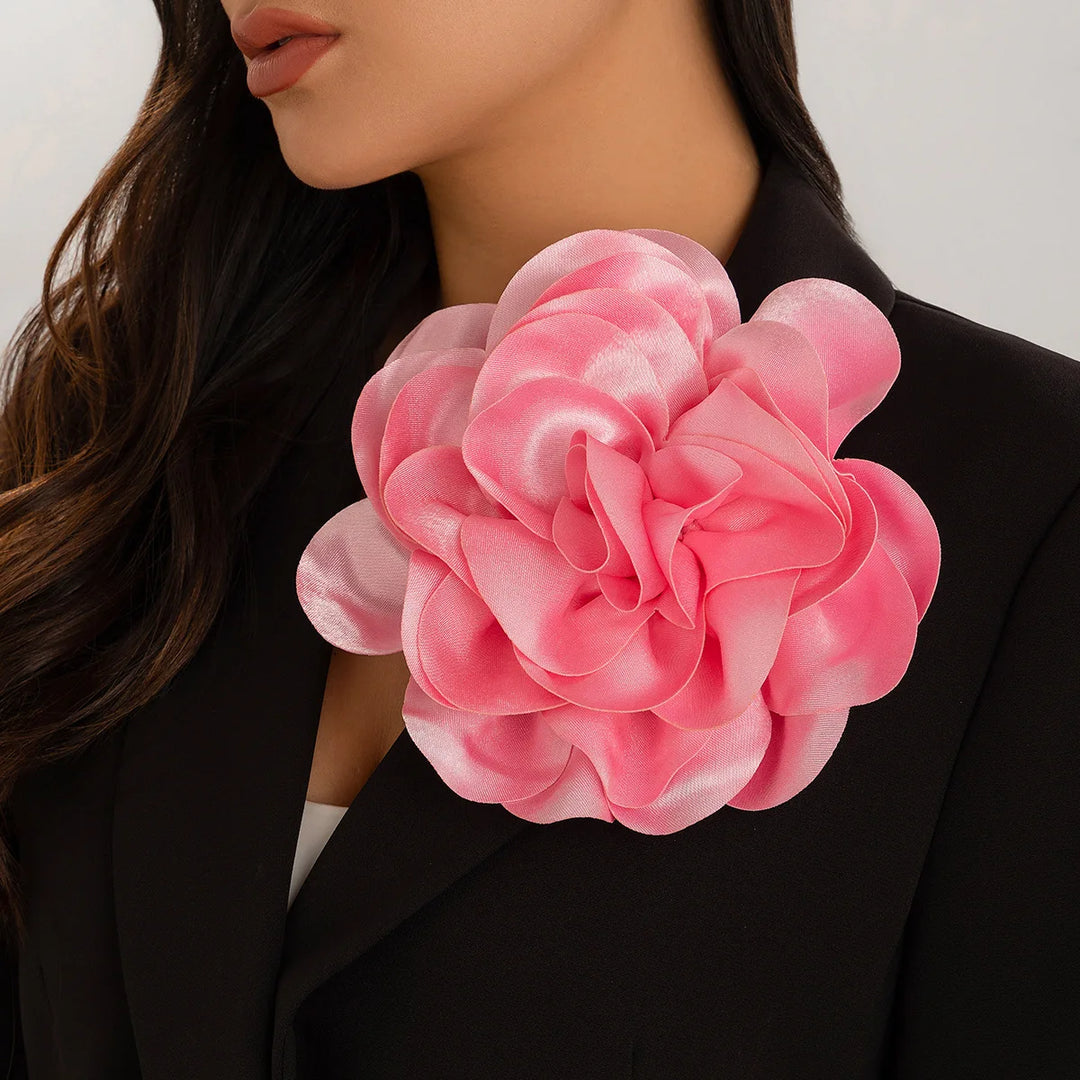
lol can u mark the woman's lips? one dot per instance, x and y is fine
(275, 69)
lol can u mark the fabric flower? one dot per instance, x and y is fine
(605, 524)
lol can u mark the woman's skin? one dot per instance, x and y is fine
(526, 121)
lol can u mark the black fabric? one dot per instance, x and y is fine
(911, 915)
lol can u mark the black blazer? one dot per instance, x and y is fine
(913, 913)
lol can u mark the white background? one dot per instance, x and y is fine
(955, 126)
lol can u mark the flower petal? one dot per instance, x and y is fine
(709, 779)
(624, 345)
(600, 255)
(428, 496)
(555, 614)
(426, 573)
(729, 420)
(516, 448)
(654, 664)
(577, 792)
(466, 656)
(817, 582)
(635, 753)
(798, 750)
(351, 579)
(707, 270)
(746, 618)
(485, 758)
(406, 361)
(770, 521)
(431, 409)
(618, 489)
(905, 528)
(788, 366)
(850, 648)
(854, 339)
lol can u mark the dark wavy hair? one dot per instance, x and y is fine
(149, 393)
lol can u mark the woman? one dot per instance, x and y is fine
(177, 433)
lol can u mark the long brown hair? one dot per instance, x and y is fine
(149, 393)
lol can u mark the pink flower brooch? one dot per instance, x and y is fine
(605, 525)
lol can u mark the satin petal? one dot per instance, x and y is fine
(428, 496)
(381, 390)
(626, 346)
(770, 521)
(350, 581)
(516, 448)
(485, 758)
(817, 582)
(848, 649)
(653, 665)
(746, 617)
(856, 343)
(600, 254)
(577, 792)
(788, 366)
(467, 657)
(426, 572)
(431, 409)
(798, 750)
(905, 528)
(634, 753)
(554, 614)
(617, 489)
(709, 779)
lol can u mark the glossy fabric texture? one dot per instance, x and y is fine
(605, 523)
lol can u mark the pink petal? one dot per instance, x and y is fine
(655, 663)
(622, 344)
(485, 758)
(905, 528)
(788, 366)
(597, 257)
(635, 753)
(729, 420)
(709, 779)
(554, 614)
(351, 580)
(855, 341)
(617, 490)
(578, 536)
(459, 326)
(429, 410)
(817, 582)
(850, 648)
(746, 617)
(770, 521)
(682, 568)
(380, 391)
(826, 480)
(517, 447)
(797, 752)
(466, 656)
(428, 496)
(691, 475)
(577, 792)
(707, 270)
(426, 573)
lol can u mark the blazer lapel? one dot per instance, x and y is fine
(214, 772)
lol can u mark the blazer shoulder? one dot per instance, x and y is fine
(1004, 377)
(992, 400)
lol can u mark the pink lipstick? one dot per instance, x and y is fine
(281, 46)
